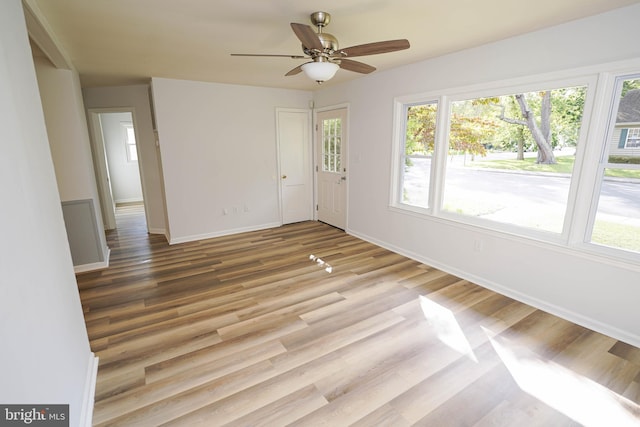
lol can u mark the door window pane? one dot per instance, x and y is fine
(331, 145)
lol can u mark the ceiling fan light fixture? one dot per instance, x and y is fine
(323, 49)
(320, 71)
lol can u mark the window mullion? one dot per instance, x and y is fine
(589, 176)
(439, 161)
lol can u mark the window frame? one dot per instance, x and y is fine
(127, 142)
(445, 98)
(401, 111)
(610, 95)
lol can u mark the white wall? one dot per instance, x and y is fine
(591, 291)
(125, 175)
(68, 136)
(45, 356)
(137, 97)
(218, 145)
(67, 130)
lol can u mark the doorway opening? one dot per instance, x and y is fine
(116, 161)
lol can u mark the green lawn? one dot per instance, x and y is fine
(616, 235)
(564, 165)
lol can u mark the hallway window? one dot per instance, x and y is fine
(130, 141)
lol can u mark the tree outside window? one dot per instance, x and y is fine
(511, 157)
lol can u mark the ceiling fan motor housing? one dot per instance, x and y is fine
(329, 44)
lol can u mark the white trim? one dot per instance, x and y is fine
(332, 107)
(88, 401)
(43, 36)
(196, 237)
(158, 231)
(83, 268)
(130, 200)
(98, 155)
(587, 322)
(100, 161)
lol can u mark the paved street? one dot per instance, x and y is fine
(522, 198)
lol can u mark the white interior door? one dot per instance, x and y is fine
(294, 148)
(331, 137)
(105, 192)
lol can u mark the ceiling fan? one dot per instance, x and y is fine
(325, 54)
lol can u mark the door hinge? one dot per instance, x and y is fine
(316, 168)
(316, 127)
(316, 207)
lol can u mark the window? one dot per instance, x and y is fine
(130, 142)
(511, 157)
(417, 153)
(632, 139)
(616, 218)
(522, 160)
(331, 145)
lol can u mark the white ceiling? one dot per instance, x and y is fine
(128, 41)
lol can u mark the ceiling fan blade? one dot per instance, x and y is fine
(295, 71)
(376, 48)
(307, 36)
(276, 56)
(358, 67)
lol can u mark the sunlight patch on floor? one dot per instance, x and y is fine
(446, 327)
(581, 399)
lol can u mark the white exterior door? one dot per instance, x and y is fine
(331, 166)
(294, 148)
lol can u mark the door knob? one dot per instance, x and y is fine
(284, 176)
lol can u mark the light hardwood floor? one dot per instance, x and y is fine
(248, 330)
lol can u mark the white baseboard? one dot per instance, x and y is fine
(94, 265)
(194, 238)
(130, 200)
(86, 412)
(556, 310)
